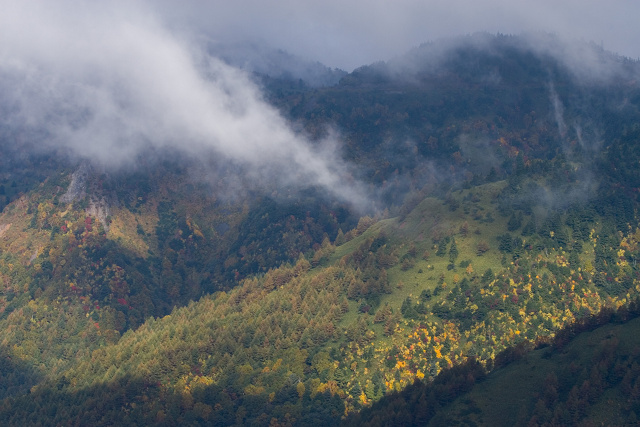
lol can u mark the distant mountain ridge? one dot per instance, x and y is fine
(275, 63)
(479, 55)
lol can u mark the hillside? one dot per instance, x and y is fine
(508, 209)
(368, 319)
(590, 379)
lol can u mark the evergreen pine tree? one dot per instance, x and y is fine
(453, 251)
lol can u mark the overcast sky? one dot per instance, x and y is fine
(350, 33)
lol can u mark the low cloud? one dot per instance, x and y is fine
(558, 110)
(111, 81)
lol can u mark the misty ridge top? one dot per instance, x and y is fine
(481, 57)
(508, 59)
(452, 76)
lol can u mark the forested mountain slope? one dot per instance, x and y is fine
(583, 378)
(507, 189)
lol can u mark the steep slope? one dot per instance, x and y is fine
(149, 297)
(466, 109)
(591, 379)
(372, 316)
(86, 256)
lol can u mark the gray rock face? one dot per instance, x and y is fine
(99, 208)
(78, 188)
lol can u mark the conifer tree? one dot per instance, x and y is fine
(453, 252)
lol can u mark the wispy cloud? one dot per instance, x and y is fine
(558, 110)
(108, 81)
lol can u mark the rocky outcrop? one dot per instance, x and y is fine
(78, 188)
(99, 208)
